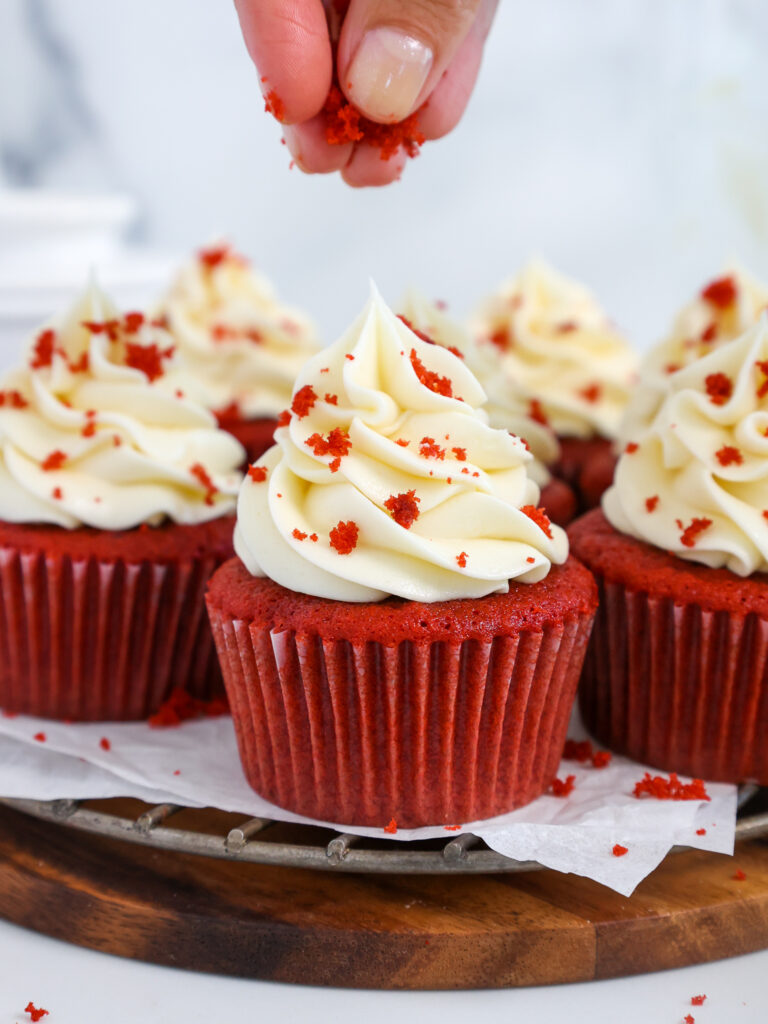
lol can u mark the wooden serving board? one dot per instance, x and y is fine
(389, 932)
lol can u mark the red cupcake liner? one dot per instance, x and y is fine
(678, 686)
(360, 732)
(86, 639)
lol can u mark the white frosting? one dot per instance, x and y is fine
(699, 473)
(238, 345)
(466, 481)
(504, 411)
(87, 439)
(556, 347)
(699, 328)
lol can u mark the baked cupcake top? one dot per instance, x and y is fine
(695, 483)
(504, 410)
(560, 359)
(239, 348)
(722, 311)
(387, 480)
(89, 438)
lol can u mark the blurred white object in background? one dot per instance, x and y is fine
(49, 241)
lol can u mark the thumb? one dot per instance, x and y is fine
(392, 53)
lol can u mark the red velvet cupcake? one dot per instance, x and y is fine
(116, 504)
(402, 634)
(239, 348)
(676, 672)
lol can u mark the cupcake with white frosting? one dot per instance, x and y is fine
(116, 502)
(676, 671)
(559, 358)
(403, 620)
(239, 346)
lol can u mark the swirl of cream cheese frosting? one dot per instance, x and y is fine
(721, 312)
(387, 480)
(560, 358)
(696, 481)
(239, 348)
(88, 438)
(504, 412)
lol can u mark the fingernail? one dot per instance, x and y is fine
(387, 74)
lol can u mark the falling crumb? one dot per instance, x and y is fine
(35, 1014)
(391, 828)
(698, 1000)
(689, 1019)
(619, 851)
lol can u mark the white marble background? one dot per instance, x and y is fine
(627, 142)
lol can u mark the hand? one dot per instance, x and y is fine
(393, 56)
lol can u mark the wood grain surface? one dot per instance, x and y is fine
(393, 932)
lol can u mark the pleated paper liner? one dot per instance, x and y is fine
(678, 686)
(361, 731)
(87, 639)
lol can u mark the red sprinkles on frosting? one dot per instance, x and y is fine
(690, 532)
(709, 333)
(415, 330)
(303, 401)
(57, 493)
(13, 399)
(284, 418)
(536, 412)
(562, 787)
(299, 534)
(337, 445)
(669, 789)
(343, 537)
(200, 473)
(404, 508)
(55, 460)
(257, 473)
(147, 358)
(631, 448)
(460, 454)
(331, 399)
(430, 449)
(591, 393)
(501, 337)
(762, 365)
(540, 517)
(43, 350)
(721, 293)
(213, 255)
(719, 387)
(651, 503)
(109, 327)
(461, 560)
(729, 456)
(439, 385)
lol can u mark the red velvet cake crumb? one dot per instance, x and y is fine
(719, 387)
(430, 379)
(391, 828)
(461, 560)
(698, 1000)
(619, 851)
(762, 365)
(701, 831)
(182, 707)
(591, 393)
(670, 789)
(43, 350)
(104, 743)
(274, 105)
(721, 293)
(34, 1012)
(343, 537)
(147, 358)
(430, 449)
(690, 532)
(729, 456)
(55, 460)
(540, 517)
(651, 503)
(404, 508)
(739, 876)
(40, 737)
(631, 448)
(13, 399)
(303, 401)
(257, 473)
(344, 123)
(562, 787)
(201, 474)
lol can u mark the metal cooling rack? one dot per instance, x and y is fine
(310, 845)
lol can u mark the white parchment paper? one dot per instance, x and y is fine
(197, 764)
